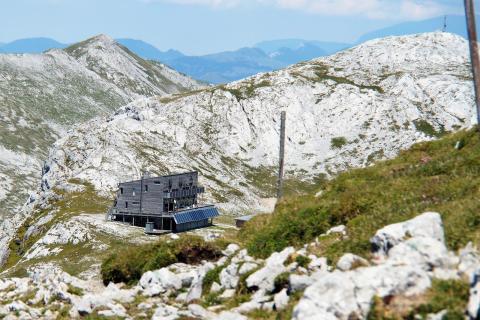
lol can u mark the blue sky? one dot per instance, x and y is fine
(205, 26)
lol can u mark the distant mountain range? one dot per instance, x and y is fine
(265, 56)
(31, 45)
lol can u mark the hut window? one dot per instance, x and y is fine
(126, 204)
(156, 182)
(146, 188)
(133, 193)
(121, 190)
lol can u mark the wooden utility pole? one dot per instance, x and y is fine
(282, 155)
(472, 39)
(141, 192)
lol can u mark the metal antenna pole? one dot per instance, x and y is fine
(282, 155)
(472, 39)
(444, 24)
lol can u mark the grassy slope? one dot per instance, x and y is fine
(431, 176)
(66, 206)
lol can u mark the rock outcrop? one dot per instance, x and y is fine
(340, 115)
(408, 256)
(416, 255)
(42, 96)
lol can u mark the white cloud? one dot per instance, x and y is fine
(375, 9)
(210, 3)
(422, 9)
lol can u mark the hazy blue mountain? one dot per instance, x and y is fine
(148, 51)
(303, 53)
(31, 45)
(214, 68)
(226, 66)
(455, 24)
(264, 56)
(296, 44)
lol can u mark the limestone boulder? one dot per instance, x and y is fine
(427, 225)
(343, 295)
(473, 307)
(159, 281)
(351, 261)
(264, 278)
(281, 300)
(229, 276)
(195, 291)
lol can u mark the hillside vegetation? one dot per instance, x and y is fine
(431, 176)
(340, 115)
(129, 264)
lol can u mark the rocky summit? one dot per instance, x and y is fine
(343, 111)
(43, 95)
(63, 260)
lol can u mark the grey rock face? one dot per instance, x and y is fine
(348, 261)
(229, 276)
(159, 281)
(263, 279)
(473, 307)
(281, 300)
(195, 291)
(427, 225)
(409, 254)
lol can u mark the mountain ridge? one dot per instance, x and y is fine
(340, 115)
(43, 95)
(279, 53)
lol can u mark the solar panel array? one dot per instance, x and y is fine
(195, 215)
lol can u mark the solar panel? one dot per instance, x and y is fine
(195, 215)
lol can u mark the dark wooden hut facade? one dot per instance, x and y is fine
(167, 203)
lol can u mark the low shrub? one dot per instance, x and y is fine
(75, 290)
(210, 277)
(281, 282)
(302, 261)
(450, 295)
(338, 142)
(211, 299)
(129, 264)
(242, 288)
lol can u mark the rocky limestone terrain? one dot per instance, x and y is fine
(43, 95)
(407, 259)
(343, 111)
